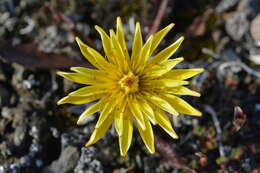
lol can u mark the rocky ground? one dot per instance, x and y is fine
(37, 39)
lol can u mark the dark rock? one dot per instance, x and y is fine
(150, 164)
(88, 162)
(66, 162)
(4, 95)
(77, 137)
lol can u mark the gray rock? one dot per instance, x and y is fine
(66, 162)
(20, 135)
(88, 162)
(5, 149)
(237, 25)
(254, 28)
(226, 5)
(150, 164)
(4, 95)
(7, 113)
(77, 137)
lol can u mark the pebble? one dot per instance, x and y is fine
(255, 28)
(237, 25)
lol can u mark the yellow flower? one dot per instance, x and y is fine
(128, 88)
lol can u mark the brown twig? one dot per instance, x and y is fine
(158, 19)
(168, 153)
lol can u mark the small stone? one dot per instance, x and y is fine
(66, 162)
(20, 136)
(7, 113)
(237, 25)
(225, 5)
(88, 162)
(4, 95)
(255, 28)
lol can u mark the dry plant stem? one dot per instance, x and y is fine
(158, 19)
(167, 152)
(209, 109)
(232, 63)
(243, 66)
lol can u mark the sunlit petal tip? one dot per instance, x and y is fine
(196, 94)
(118, 19)
(78, 40)
(60, 73)
(170, 26)
(200, 70)
(197, 114)
(88, 144)
(123, 154)
(98, 28)
(82, 120)
(179, 59)
(63, 100)
(175, 136)
(151, 150)
(185, 82)
(181, 39)
(137, 25)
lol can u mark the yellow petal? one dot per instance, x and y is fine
(181, 106)
(88, 90)
(103, 63)
(147, 135)
(182, 74)
(126, 137)
(84, 50)
(108, 108)
(134, 107)
(148, 111)
(119, 123)
(163, 104)
(80, 99)
(181, 90)
(162, 68)
(88, 71)
(89, 111)
(165, 123)
(160, 83)
(79, 78)
(106, 44)
(100, 132)
(118, 52)
(121, 37)
(160, 35)
(97, 73)
(166, 53)
(119, 117)
(144, 55)
(137, 44)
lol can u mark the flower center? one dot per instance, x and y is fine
(129, 83)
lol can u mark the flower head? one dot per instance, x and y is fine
(138, 88)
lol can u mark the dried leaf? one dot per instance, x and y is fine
(28, 56)
(239, 119)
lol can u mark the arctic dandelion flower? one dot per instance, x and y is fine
(137, 88)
